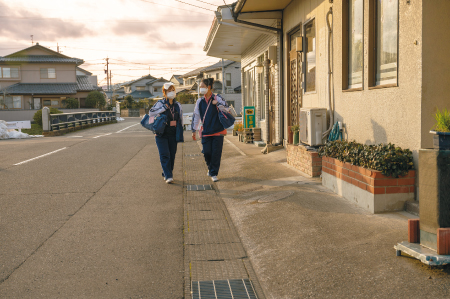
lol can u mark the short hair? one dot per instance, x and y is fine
(208, 82)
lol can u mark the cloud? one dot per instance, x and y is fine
(23, 23)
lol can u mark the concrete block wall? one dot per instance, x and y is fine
(306, 161)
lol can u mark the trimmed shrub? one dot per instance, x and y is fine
(38, 115)
(71, 103)
(387, 158)
(442, 121)
(95, 99)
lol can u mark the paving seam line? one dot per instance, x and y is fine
(226, 255)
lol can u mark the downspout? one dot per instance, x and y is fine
(330, 72)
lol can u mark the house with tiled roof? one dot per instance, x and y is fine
(227, 81)
(176, 80)
(37, 76)
(146, 87)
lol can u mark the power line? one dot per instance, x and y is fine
(174, 7)
(101, 21)
(207, 3)
(103, 50)
(194, 5)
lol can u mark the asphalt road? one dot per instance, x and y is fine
(87, 215)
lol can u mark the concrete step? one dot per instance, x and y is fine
(412, 207)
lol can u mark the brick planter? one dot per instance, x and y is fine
(306, 161)
(368, 188)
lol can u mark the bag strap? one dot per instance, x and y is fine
(204, 116)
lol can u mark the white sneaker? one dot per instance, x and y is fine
(169, 181)
(214, 178)
(207, 173)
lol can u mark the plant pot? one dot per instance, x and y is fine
(290, 135)
(441, 140)
(296, 137)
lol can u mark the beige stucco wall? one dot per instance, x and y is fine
(436, 64)
(65, 73)
(370, 116)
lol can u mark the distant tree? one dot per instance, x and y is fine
(71, 103)
(95, 99)
(186, 98)
(129, 101)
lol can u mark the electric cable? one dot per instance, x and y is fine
(174, 7)
(193, 5)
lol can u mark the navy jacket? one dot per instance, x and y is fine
(212, 123)
(160, 107)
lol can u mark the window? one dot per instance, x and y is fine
(11, 102)
(155, 89)
(140, 88)
(310, 56)
(228, 78)
(9, 72)
(386, 41)
(355, 43)
(217, 76)
(48, 73)
(47, 103)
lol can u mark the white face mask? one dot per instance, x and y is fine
(203, 90)
(171, 95)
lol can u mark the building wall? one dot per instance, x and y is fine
(436, 64)
(371, 115)
(65, 73)
(248, 61)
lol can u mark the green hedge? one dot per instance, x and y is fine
(38, 115)
(387, 158)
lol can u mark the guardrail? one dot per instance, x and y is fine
(56, 122)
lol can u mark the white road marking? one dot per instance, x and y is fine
(74, 136)
(40, 156)
(101, 135)
(127, 127)
(235, 147)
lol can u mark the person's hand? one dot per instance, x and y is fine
(194, 136)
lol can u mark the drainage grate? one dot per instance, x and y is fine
(193, 155)
(223, 289)
(199, 187)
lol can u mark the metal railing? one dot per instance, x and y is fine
(53, 122)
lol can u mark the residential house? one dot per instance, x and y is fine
(37, 76)
(379, 67)
(176, 80)
(230, 90)
(146, 87)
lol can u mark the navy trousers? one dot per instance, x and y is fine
(212, 151)
(167, 147)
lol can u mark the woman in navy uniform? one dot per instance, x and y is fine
(213, 132)
(173, 132)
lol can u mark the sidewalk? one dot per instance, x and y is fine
(304, 241)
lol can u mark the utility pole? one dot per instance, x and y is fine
(107, 74)
(31, 39)
(110, 80)
(57, 47)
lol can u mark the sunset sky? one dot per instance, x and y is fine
(166, 35)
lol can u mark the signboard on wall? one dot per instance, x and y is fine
(249, 117)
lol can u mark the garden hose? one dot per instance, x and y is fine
(335, 133)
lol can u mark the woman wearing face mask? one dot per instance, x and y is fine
(173, 132)
(213, 132)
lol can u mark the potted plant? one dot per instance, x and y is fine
(295, 131)
(235, 129)
(442, 130)
(290, 135)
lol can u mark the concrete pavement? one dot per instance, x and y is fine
(311, 243)
(94, 220)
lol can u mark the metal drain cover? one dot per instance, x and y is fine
(199, 187)
(223, 289)
(275, 196)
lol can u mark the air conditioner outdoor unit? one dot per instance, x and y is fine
(313, 123)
